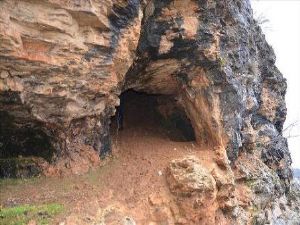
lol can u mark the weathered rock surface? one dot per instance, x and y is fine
(195, 190)
(63, 65)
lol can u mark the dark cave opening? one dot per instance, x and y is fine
(23, 148)
(155, 113)
(23, 140)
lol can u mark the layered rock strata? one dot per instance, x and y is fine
(63, 65)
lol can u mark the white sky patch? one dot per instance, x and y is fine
(283, 34)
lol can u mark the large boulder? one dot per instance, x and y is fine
(194, 189)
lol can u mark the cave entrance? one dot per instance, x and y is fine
(23, 141)
(22, 148)
(153, 115)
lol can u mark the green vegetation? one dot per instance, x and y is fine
(250, 183)
(222, 61)
(20, 215)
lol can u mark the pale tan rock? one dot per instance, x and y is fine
(165, 45)
(61, 35)
(190, 25)
(269, 103)
(4, 74)
(194, 190)
(32, 222)
(162, 209)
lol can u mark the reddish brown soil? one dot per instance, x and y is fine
(141, 153)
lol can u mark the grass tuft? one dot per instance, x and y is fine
(21, 215)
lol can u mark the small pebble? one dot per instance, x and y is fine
(128, 221)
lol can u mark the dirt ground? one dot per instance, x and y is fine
(141, 152)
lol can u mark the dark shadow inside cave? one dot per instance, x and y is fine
(23, 148)
(152, 113)
(17, 140)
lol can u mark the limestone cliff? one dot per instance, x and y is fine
(63, 65)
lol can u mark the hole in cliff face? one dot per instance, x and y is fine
(152, 114)
(22, 141)
(22, 148)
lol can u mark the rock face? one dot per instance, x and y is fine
(195, 190)
(63, 65)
